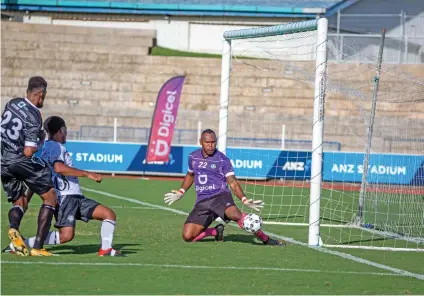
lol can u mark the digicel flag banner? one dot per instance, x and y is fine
(164, 117)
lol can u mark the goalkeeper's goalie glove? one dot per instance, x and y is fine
(256, 205)
(173, 196)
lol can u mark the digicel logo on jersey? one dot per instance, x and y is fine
(163, 124)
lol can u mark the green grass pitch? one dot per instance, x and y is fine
(160, 262)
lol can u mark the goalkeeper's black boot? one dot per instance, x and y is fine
(275, 242)
(219, 233)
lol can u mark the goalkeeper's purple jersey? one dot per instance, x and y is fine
(210, 173)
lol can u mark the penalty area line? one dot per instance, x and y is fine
(288, 239)
(238, 268)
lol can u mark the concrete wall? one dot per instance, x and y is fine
(187, 34)
(97, 74)
(404, 42)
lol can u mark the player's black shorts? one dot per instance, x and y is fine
(72, 208)
(32, 172)
(206, 211)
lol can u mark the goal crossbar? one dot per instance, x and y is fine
(267, 31)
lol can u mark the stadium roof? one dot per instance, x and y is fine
(252, 8)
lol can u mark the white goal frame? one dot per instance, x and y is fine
(321, 26)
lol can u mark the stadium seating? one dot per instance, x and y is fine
(98, 74)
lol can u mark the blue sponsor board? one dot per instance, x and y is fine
(383, 168)
(186, 152)
(119, 157)
(247, 163)
(253, 163)
(264, 163)
(292, 165)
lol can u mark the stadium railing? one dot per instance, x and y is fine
(189, 137)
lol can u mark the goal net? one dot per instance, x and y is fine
(295, 118)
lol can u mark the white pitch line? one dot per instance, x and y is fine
(133, 208)
(238, 268)
(288, 239)
(134, 201)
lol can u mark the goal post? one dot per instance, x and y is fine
(317, 132)
(224, 95)
(321, 28)
(297, 126)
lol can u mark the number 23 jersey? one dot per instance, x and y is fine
(21, 125)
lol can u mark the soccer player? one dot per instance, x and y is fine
(73, 205)
(211, 171)
(21, 136)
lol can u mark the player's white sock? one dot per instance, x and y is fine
(53, 238)
(108, 228)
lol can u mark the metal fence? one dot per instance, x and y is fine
(188, 137)
(355, 36)
(397, 145)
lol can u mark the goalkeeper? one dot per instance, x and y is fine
(211, 170)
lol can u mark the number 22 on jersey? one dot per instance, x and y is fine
(202, 165)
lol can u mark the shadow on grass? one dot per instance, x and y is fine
(365, 240)
(236, 238)
(91, 249)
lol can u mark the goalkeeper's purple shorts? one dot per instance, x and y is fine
(207, 210)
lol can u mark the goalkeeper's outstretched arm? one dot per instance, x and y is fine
(235, 187)
(175, 195)
(188, 181)
(256, 205)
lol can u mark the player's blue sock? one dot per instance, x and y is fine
(107, 230)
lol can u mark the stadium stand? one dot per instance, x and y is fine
(98, 74)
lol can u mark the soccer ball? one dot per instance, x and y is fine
(252, 223)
